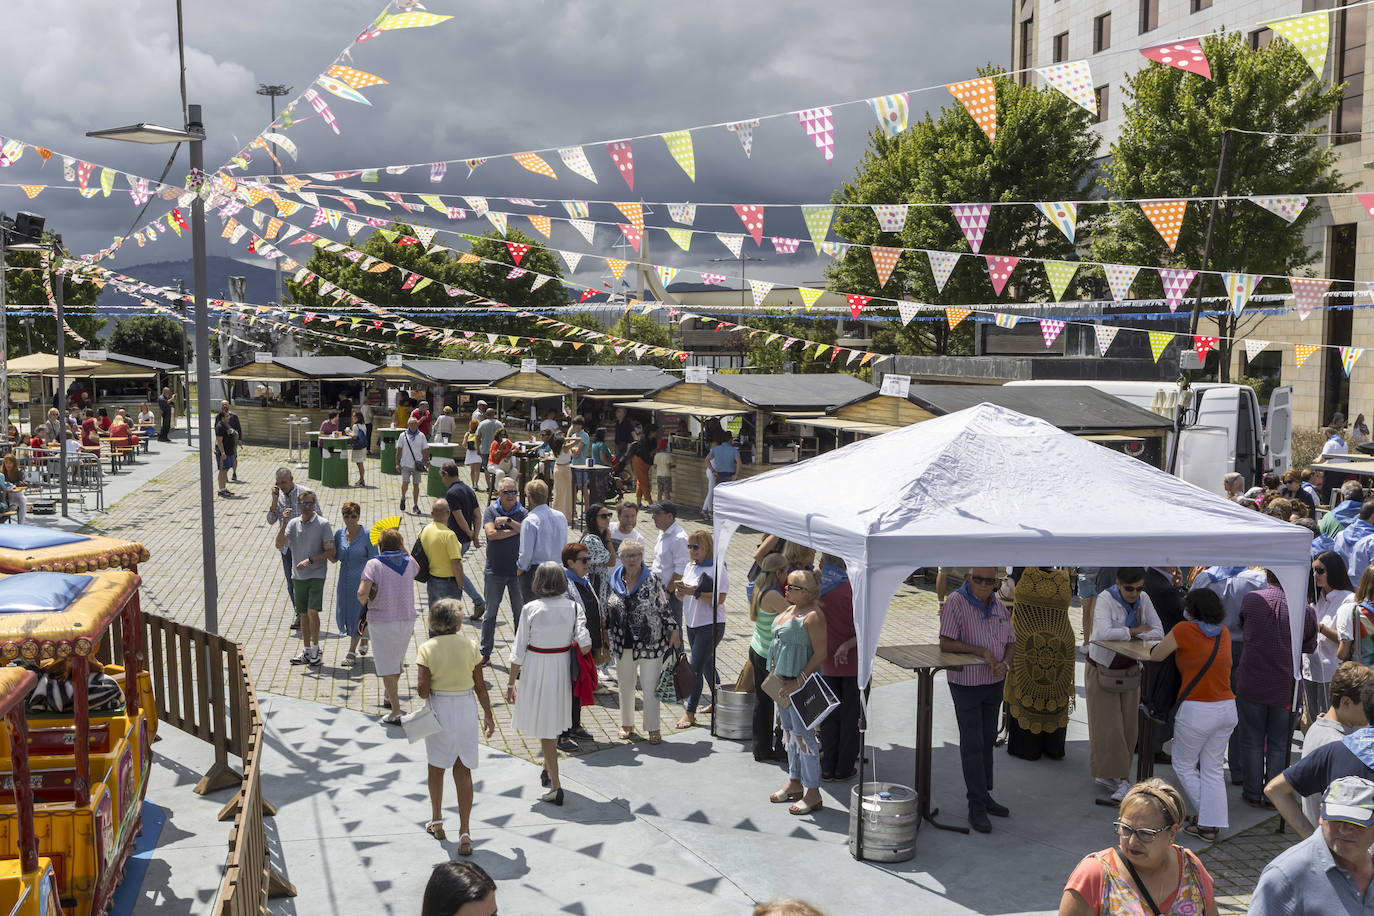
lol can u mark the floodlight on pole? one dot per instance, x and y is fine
(194, 135)
(274, 92)
(23, 233)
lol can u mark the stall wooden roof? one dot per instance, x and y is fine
(609, 381)
(296, 368)
(526, 385)
(45, 364)
(791, 391)
(1076, 409)
(456, 372)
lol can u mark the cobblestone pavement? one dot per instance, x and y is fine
(253, 609)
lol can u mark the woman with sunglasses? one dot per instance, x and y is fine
(1145, 872)
(1335, 610)
(765, 604)
(796, 653)
(1112, 682)
(352, 549)
(601, 550)
(641, 625)
(576, 561)
(702, 589)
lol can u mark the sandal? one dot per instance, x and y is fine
(803, 808)
(707, 709)
(464, 844)
(686, 722)
(783, 796)
(391, 720)
(362, 646)
(436, 830)
(350, 658)
(626, 732)
(1208, 834)
(655, 738)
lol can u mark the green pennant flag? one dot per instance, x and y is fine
(389, 234)
(1310, 35)
(681, 237)
(424, 281)
(1060, 274)
(1158, 341)
(818, 223)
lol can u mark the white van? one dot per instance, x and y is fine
(1224, 428)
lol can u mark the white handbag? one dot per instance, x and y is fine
(421, 724)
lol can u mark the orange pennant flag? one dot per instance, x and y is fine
(954, 316)
(617, 266)
(33, 190)
(542, 225)
(1303, 351)
(354, 79)
(535, 164)
(634, 213)
(980, 98)
(884, 259)
(468, 258)
(1167, 218)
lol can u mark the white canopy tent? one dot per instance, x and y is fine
(988, 486)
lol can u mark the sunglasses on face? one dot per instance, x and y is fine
(795, 588)
(605, 515)
(350, 515)
(1318, 570)
(984, 580)
(509, 492)
(1131, 589)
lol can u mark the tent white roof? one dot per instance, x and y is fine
(987, 486)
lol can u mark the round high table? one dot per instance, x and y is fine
(388, 438)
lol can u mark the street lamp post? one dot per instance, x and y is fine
(194, 135)
(27, 229)
(274, 92)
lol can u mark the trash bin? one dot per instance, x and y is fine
(313, 464)
(440, 454)
(334, 461)
(388, 439)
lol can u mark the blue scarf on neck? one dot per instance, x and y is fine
(395, 560)
(618, 581)
(1361, 744)
(1132, 607)
(575, 579)
(1209, 629)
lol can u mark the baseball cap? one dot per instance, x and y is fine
(665, 506)
(1349, 799)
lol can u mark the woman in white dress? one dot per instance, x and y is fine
(389, 616)
(562, 475)
(449, 676)
(550, 626)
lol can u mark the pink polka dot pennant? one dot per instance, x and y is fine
(624, 159)
(820, 127)
(1185, 55)
(1307, 293)
(1203, 345)
(752, 217)
(632, 235)
(857, 303)
(980, 99)
(999, 270)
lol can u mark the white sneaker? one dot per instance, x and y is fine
(316, 657)
(1121, 791)
(302, 659)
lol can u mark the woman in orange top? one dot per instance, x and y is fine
(1207, 714)
(498, 457)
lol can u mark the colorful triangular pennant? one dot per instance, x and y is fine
(1303, 351)
(745, 131)
(1105, 335)
(575, 158)
(1308, 293)
(1158, 341)
(817, 218)
(1064, 216)
(999, 270)
(624, 158)
(954, 316)
(941, 265)
(1167, 218)
(892, 112)
(980, 99)
(884, 260)
(1287, 206)
(1075, 80)
(752, 217)
(1185, 55)
(1050, 329)
(1176, 282)
(1060, 274)
(973, 220)
(819, 125)
(1119, 278)
(680, 146)
(1310, 34)
(857, 303)
(760, 289)
(1238, 289)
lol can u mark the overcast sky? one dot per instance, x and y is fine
(500, 77)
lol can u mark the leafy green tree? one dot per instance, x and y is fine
(1044, 151)
(154, 337)
(24, 293)
(1170, 146)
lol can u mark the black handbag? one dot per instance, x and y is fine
(1165, 697)
(417, 553)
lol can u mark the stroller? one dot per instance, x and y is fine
(618, 482)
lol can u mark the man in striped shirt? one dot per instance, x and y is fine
(974, 620)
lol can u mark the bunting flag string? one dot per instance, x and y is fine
(1063, 216)
(1309, 34)
(1105, 335)
(979, 98)
(1050, 330)
(1158, 341)
(1303, 351)
(954, 316)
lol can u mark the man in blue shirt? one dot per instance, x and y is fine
(1356, 543)
(725, 460)
(1330, 872)
(543, 535)
(1353, 755)
(501, 522)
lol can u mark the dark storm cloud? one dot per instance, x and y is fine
(501, 77)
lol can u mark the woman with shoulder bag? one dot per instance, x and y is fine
(766, 603)
(1146, 872)
(1206, 714)
(472, 458)
(641, 627)
(1112, 682)
(551, 627)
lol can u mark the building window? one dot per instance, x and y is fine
(1350, 71)
(1149, 15)
(1102, 33)
(1260, 38)
(1061, 47)
(1200, 5)
(1103, 94)
(1027, 51)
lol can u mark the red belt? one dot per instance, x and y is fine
(544, 651)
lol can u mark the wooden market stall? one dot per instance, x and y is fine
(309, 387)
(1077, 409)
(586, 389)
(761, 402)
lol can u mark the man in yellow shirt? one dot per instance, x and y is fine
(444, 553)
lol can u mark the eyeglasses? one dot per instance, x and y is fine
(350, 515)
(1318, 570)
(984, 580)
(796, 588)
(1143, 834)
(1131, 589)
